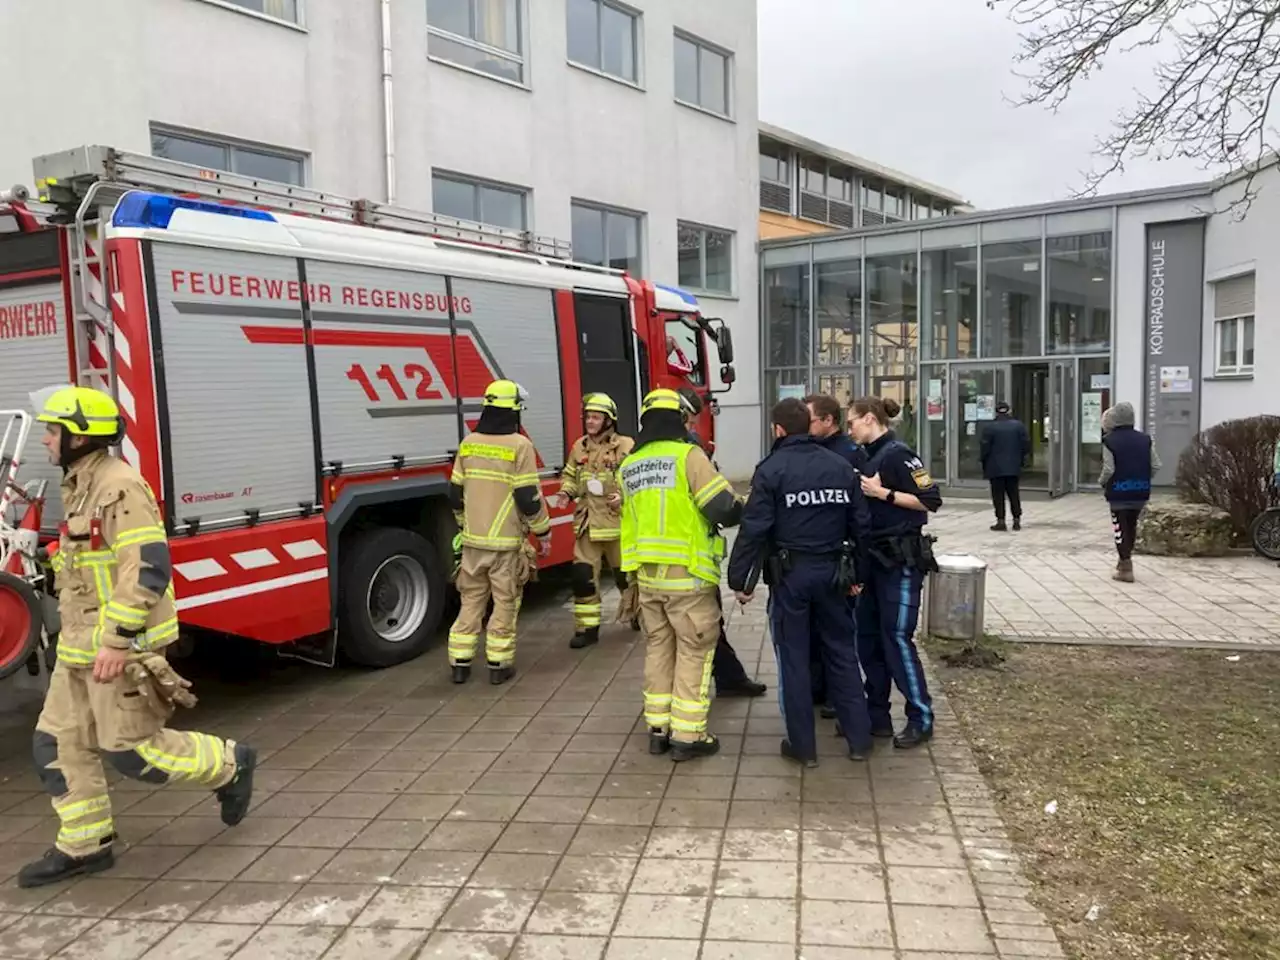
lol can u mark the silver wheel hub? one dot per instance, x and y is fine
(398, 598)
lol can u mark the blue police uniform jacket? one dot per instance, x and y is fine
(900, 470)
(842, 444)
(803, 500)
(1131, 483)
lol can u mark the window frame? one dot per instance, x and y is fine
(635, 16)
(520, 59)
(1240, 368)
(230, 145)
(477, 184)
(703, 230)
(729, 69)
(235, 6)
(604, 210)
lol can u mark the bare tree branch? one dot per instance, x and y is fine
(1211, 92)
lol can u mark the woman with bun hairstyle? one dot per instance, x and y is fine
(901, 495)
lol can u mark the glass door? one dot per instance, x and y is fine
(975, 391)
(1062, 426)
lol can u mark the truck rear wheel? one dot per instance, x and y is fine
(20, 623)
(391, 597)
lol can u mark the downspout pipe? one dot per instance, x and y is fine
(388, 104)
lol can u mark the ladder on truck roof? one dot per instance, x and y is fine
(84, 185)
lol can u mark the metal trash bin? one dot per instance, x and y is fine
(955, 598)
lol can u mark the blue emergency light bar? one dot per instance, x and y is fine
(153, 211)
(684, 295)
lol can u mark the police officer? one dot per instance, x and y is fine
(495, 471)
(901, 496)
(726, 668)
(803, 513)
(674, 503)
(590, 481)
(112, 690)
(826, 426)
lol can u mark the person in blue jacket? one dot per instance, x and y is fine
(901, 494)
(826, 425)
(800, 526)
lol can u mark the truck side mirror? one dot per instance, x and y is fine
(727, 374)
(724, 343)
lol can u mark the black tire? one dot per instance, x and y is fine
(379, 568)
(20, 623)
(1265, 533)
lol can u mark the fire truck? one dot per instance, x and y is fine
(296, 371)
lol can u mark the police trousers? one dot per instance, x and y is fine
(84, 722)
(887, 612)
(806, 613)
(484, 574)
(588, 557)
(681, 630)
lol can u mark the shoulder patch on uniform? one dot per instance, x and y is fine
(922, 478)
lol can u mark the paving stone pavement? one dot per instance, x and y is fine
(1051, 582)
(398, 816)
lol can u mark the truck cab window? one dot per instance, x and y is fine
(685, 356)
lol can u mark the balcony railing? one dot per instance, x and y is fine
(775, 197)
(823, 209)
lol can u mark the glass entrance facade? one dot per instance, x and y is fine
(950, 319)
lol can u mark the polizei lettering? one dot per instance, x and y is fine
(1155, 301)
(816, 498)
(28, 320)
(656, 473)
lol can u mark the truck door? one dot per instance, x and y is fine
(607, 354)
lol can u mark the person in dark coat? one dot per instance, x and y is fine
(1005, 448)
(1129, 461)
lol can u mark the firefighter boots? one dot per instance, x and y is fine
(659, 742)
(500, 673)
(56, 866)
(708, 746)
(236, 795)
(461, 672)
(585, 638)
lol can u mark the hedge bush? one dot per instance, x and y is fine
(1230, 466)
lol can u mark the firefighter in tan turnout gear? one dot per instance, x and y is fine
(497, 501)
(112, 690)
(590, 481)
(674, 504)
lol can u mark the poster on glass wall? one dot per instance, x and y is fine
(933, 407)
(986, 406)
(1091, 418)
(792, 390)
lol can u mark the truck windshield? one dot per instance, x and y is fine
(685, 356)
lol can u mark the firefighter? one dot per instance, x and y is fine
(497, 500)
(112, 690)
(674, 503)
(590, 480)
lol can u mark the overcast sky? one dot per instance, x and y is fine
(923, 86)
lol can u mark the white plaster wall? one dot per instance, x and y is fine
(1234, 246)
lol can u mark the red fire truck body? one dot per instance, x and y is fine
(295, 384)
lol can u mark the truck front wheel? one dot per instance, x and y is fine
(391, 597)
(20, 623)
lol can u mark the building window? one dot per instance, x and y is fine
(287, 10)
(481, 202)
(603, 36)
(774, 165)
(261, 163)
(706, 258)
(484, 35)
(1079, 288)
(607, 238)
(1233, 312)
(702, 76)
